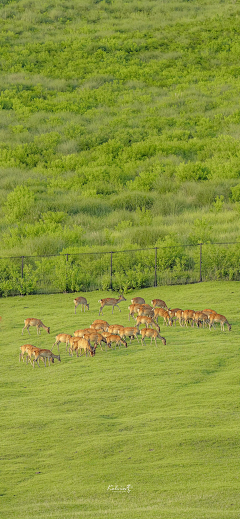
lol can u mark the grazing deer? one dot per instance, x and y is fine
(159, 303)
(115, 338)
(84, 345)
(147, 321)
(133, 309)
(71, 342)
(62, 337)
(129, 331)
(96, 338)
(25, 349)
(138, 301)
(218, 318)
(173, 312)
(160, 312)
(110, 301)
(187, 316)
(81, 301)
(46, 354)
(35, 322)
(178, 315)
(200, 318)
(153, 334)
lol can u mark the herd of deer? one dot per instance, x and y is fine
(100, 332)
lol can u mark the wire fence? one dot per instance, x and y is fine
(119, 270)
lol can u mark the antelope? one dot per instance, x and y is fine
(116, 339)
(133, 309)
(147, 321)
(160, 312)
(46, 354)
(130, 331)
(187, 316)
(35, 322)
(218, 318)
(110, 301)
(81, 301)
(137, 301)
(62, 337)
(153, 334)
(160, 303)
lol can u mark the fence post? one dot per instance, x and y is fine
(200, 265)
(111, 271)
(66, 271)
(155, 278)
(22, 266)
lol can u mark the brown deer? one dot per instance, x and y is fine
(129, 331)
(46, 354)
(200, 318)
(160, 312)
(96, 338)
(35, 322)
(218, 318)
(62, 337)
(159, 303)
(81, 301)
(71, 342)
(80, 333)
(137, 301)
(187, 316)
(133, 309)
(84, 345)
(152, 334)
(115, 338)
(110, 301)
(147, 321)
(146, 310)
(25, 349)
(115, 328)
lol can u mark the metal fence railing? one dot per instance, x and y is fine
(119, 270)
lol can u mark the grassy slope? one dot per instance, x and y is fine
(165, 420)
(103, 100)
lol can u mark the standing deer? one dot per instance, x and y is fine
(110, 301)
(35, 322)
(81, 301)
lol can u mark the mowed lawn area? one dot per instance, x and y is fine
(136, 432)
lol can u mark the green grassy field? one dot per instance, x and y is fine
(159, 424)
